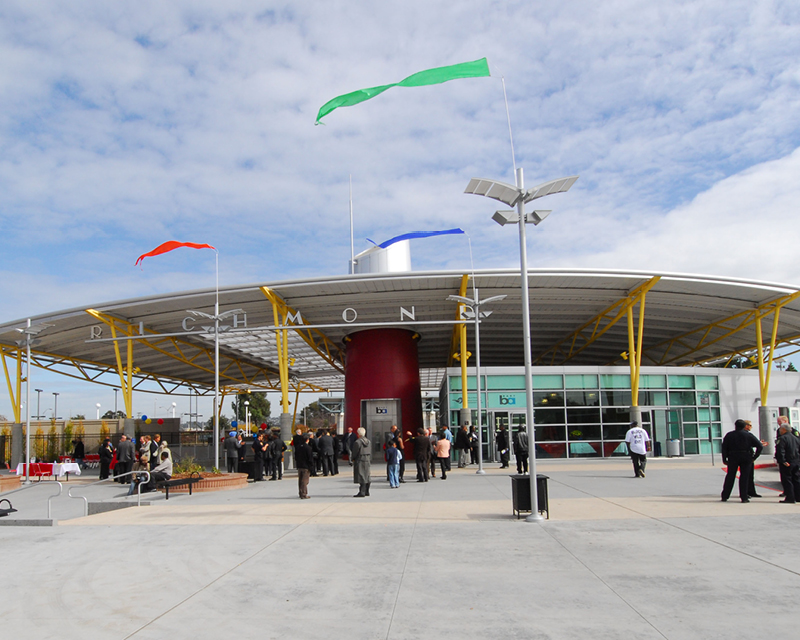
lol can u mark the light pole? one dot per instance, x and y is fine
(55, 405)
(517, 196)
(30, 332)
(98, 410)
(116, 389)
(247, 416)
(38, 403)
(475, 306)
(174, 404)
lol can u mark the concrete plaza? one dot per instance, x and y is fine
(659, 557)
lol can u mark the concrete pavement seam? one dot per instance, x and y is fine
(225, 573)
(675, 526)
(405, 564)
(608, 586)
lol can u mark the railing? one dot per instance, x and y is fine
(128, 473)
(49, 499)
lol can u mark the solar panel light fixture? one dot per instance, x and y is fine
(509, 216)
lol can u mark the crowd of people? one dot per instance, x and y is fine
(319, 453)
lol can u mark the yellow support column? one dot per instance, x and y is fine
(635, 353)
(15, 399)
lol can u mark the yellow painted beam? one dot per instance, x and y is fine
(14, 399)
(190, 354)
(592, 330)
(314, 338)
(693, 341)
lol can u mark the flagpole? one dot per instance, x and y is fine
(508, 117)
(216, 362)
(352, 249)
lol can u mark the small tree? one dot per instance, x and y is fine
(67, 441)
(791, 367)
(39, 444)
(224, 423)
(259, 407)
(105, 432)
(52, 442)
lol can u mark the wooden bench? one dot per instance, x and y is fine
(193, 479)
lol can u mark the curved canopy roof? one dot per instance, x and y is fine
(577, 317)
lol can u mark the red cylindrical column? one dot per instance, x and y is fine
(383, 363)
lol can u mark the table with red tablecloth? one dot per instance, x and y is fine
(37, 469)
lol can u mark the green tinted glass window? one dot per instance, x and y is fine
(508, 383)
(617, 415)
(548, 382)
(548, 398)
(580, 381)
(580, 416)
(616, 381)
(681, 382)
(681, 398)
(707, 383)
(653, 398)
(621, 398)
(690, 415)
(583, 398)
(652, 382)
(551, 433)
(548, 416)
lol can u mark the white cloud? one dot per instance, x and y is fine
(124, 125)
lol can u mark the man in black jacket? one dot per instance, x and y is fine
(126, 453)
(501, 440)
(326, 452)
(521, 449)
(106, 452)
(737, 453)
(787, 454)
(304, 458)
(422, 454)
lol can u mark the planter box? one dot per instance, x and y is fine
(222, 482)
(7, 483)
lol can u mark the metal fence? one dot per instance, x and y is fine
(48, 447)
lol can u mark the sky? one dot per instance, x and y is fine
(124, 125)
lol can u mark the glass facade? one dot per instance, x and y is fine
(587, 415)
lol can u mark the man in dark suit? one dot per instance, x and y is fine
(304, 458)
(327, 452)
(787, 455)
(422, 454)
(737, 453)
(125, 456)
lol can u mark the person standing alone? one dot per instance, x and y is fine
(361, 463)
(637, 441)
(737, 454)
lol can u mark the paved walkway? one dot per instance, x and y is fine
(659, 557)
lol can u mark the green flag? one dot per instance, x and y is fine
(475, 69)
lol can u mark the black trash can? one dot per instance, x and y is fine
(521, 494)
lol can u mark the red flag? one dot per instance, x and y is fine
(169, 246)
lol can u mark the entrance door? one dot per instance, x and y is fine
(506, 419)
(667, 424)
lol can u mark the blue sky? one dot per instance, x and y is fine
(128, 124)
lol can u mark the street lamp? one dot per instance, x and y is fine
(247, 416)
(116, 389)
(38, 403)
(30, 332)
(55, 405)
(98, 410)
(174, 404)
(475, 306)
(517, 196)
